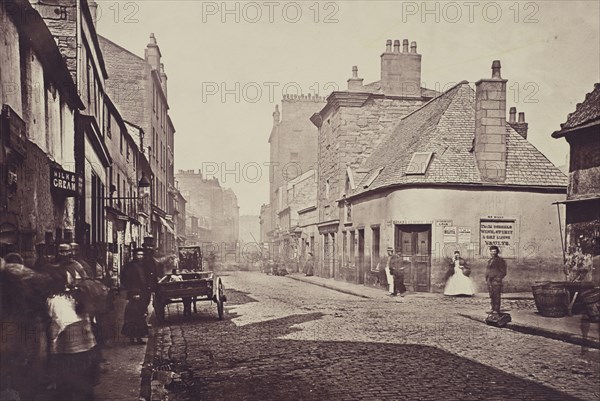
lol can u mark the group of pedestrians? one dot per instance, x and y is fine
(392, 268)
(52, 313)
(391, 273)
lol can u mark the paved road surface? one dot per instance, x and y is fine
(288, 340)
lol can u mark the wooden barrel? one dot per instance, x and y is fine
(591, 300)
(551, 301)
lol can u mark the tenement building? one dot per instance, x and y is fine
(138, 87)
(351, 125)
(38, 187)
(452, 174)
(293, 152)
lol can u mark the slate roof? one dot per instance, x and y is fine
(585, 113)
(446, 126)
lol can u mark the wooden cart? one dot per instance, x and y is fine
(199, 286)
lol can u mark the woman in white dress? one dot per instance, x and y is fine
(459, 283)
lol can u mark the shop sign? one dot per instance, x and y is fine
(65, 183)
(500, 233)
(443, 223)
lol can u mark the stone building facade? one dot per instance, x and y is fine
(139, 88)
(39, 102)
(353, 123)
(293, 152)
(452, 175)
(72, 23)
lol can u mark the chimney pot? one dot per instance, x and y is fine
(512, 115)
(405, 46)
(388, 46)
(355, 72)
(522, 117)
(413, 47)
(496, 69)
(396, 46)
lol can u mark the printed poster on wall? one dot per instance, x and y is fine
(501, 233)
(464, 235)
(449, 234)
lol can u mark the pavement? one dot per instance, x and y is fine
(572, 329)
(121, 368)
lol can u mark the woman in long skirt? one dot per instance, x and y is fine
(134, 320)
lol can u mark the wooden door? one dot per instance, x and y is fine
(413, 243)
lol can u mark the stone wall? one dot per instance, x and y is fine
(348, 136)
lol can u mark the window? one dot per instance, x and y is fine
(418, 163)
(327, 188)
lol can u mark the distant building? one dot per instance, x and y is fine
(231, 224)
(215, 207)
(293, 152)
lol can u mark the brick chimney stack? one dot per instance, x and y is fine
(490, 126)
(521, 126)
(355, 83)
(163, 79)
(152, 53)
(401, 71)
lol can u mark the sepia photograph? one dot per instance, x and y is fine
(299, 200)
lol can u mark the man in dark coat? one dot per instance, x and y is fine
(135, 280)
(494, 273)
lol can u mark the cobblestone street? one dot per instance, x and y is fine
(283, 339)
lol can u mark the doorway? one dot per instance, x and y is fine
(413, 243)
(361, 256)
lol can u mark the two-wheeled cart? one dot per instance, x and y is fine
(194, 286)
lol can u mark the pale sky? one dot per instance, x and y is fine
(214, 52)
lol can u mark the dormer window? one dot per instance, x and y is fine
(419, 163)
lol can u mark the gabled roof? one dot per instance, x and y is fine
(585, 114)
(446, 126)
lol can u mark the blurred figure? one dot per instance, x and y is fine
(135, 280)
(309, 265)
(76, 256)
(74, 361)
